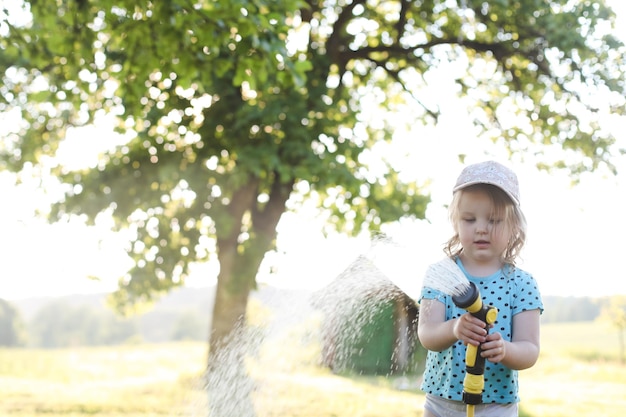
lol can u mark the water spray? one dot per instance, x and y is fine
(399, 264)
(474, 381)
(390, 259)
(445, 276)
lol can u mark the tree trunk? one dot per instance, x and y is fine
(228, 384)
(233, 287)
(238, 269)
(231, 299)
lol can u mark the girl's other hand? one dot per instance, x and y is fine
(494, 348)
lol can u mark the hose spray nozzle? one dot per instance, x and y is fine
(474, 382)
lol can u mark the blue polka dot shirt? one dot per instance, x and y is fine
(511, 290)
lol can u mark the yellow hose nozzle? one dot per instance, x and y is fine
(474, 381)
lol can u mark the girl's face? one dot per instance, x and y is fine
(483, 230)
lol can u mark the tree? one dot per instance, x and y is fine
(190, 325)
(59, 324)
(12, 332)
(614, 312)
(234, 112)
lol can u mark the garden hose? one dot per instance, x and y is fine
(474, 381)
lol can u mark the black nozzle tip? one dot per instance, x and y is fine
(468, 297)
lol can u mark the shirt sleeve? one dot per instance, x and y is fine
(527, 295)
(432, 294)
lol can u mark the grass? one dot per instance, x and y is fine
(578, 373)
(149, 380)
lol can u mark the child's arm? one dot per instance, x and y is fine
(523, 349)
(437, 334)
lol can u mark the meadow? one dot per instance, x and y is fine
(579, 373)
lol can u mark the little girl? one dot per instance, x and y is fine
(489, 232)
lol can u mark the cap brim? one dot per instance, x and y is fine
(467, 184)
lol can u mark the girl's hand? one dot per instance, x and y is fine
(470, 330)
(494, 348)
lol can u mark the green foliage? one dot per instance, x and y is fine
(614, 312)
(569, 309)
(234, 111)
(12, 331)
(190, 326)
(59, 325)
(86, 320)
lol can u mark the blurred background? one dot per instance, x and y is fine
(85, 239)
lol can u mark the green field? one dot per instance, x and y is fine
(579, 373)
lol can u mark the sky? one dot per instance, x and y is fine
(574, 248)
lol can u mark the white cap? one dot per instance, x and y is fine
(490, 172)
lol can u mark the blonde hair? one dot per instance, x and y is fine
(504, 207)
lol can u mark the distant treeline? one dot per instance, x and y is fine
(184, 314)
(569, 309)
(86, 320)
